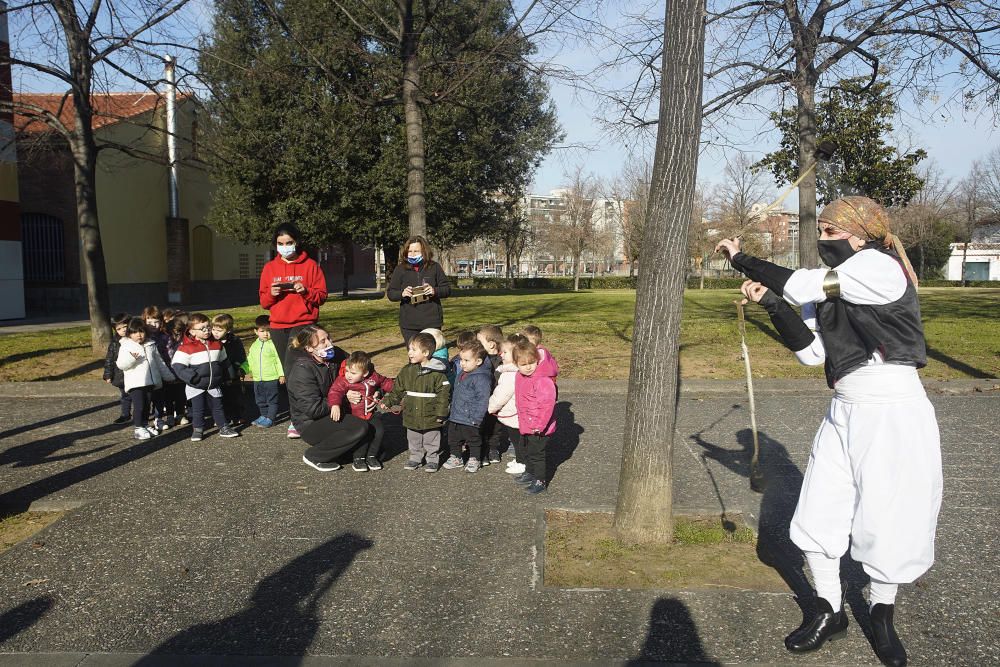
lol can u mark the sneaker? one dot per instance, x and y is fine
(142, 433)
(485, 462)
(264, 422)
(431, 467)
(515, 468)
(161, 425)
(170, 421)
(472, 465)
(359, 465)
(373, 463)
(197, 434)
(122, 419)
(293, 432)
(329, 466)
(494, 456)
(536, 487)
(411, 465)
(184, 421)
(524, 479)
(226, 432)
(452, 463)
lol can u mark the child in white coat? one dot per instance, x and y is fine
(502, 400)
(144, 371)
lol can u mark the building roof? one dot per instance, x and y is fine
(109, 108)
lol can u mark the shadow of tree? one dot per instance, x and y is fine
(23, 616)
(31, 354)
(19, 499)
(282, 617)
(82, 369)
(952, 362)
(55, 420)
(672, 637)
(619, 331)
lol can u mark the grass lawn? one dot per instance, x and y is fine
(589, 332)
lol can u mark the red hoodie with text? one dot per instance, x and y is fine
(289, 308)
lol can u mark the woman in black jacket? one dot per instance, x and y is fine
(314, 362)
(418, 283)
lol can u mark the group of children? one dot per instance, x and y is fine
(497, 392)
(497, 389)
(170, 366)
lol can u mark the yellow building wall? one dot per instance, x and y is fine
(132, 203)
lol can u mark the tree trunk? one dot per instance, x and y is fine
(347, 248)
(701, 274)
(94, 270)
(576, 273)
(645, 494)
(415, 200)
(965, 252)
(808, 252)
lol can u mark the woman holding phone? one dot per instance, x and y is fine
(292, 288)
(418, 284)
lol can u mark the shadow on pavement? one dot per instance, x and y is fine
(23, 616)
(565, 441)
(19, 499)
(282, 618)
(672, 637)
(37, 452)
(55, 420)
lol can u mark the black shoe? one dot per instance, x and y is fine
(888, 648)
(122, 419)
(373, 463)
(359, 465)
(494, 456)
(825, 626)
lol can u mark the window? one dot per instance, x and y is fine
(43, 248)
(244, 261)
(259, 266)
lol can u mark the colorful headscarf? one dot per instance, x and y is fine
(866, 219)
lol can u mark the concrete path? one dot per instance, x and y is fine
(233, 552)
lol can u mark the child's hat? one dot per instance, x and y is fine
(439, 339)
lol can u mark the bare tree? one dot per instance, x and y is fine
(759, 51)
(973, 206)
(919, 220)
(633, 188)
(82, 50)
(645, 497)
(572, 230)
(702, 236)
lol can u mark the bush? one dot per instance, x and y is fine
(935, 282)
(715, 283)
(561, 282)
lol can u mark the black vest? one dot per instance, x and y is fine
(852, 333)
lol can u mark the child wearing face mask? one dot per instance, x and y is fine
(292, 288)
(114, 375)
(200, 362)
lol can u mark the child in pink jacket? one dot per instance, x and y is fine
(535, 397)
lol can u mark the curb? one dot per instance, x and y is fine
(762, 387)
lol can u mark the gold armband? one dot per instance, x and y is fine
(831, 285)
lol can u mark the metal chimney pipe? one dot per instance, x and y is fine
(171, 76)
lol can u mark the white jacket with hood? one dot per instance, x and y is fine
(146, 369)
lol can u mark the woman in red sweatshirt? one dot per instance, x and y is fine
(292, 287)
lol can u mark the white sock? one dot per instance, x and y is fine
(826, 577)
(881, 592)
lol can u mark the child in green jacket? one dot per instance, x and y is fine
(264, 364)
(427, 394)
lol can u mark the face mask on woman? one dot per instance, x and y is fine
(835, 252)
(415, 260)
(326, 355)
(286, 251)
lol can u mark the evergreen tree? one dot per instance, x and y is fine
(857, 119)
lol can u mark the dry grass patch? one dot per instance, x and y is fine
(18, 527)
(582, 552)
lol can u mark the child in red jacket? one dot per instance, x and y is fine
(357, 373)
(535, 397)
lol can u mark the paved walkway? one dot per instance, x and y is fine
(235, 548)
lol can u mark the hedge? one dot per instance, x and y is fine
(626, 282)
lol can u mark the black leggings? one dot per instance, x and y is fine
(329, 440)
(140, 404)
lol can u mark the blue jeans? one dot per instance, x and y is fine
(265, 393)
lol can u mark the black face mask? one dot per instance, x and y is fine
(836, 252)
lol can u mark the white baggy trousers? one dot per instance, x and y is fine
(874, 476)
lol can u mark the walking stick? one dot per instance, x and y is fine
(756, 476)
